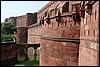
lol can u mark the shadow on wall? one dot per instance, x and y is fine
(9, 62)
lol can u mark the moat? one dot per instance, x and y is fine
(26, 62)
(20, 56)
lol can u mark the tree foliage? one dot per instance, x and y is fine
(5, 37)
(8, 28)
(7, 31)
(6, 20)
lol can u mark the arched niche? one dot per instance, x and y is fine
(30, 53)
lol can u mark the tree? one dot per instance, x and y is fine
(6, 20)
(8, 28)
(7, 32)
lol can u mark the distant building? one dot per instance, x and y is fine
(26, 20)
(21, 22)
(12, 20)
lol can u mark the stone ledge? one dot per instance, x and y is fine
(93, 47)
(61, 39)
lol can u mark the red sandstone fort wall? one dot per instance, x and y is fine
(26, 20)
(21, 22)
(55, 49)
(22, 34)
(8, 51)
(34, 34)
(59, 43)
(89, 38)
(12, 20)
(55, 53)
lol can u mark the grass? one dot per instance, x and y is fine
(29, 63)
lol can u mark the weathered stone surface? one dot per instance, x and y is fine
(30, 53)
(8, 51)
(60, 53)
(88, 49)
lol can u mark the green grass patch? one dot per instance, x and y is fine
(29, 63)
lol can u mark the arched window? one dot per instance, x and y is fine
(75, 7)
(45, 14)
(89, 7)
(65, 7)
(94, 32)
(88, 32)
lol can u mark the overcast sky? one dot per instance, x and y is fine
(17, 8)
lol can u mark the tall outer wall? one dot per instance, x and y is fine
(89, 38)
(53, 50)
(58, 53)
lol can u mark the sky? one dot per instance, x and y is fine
(18, 8)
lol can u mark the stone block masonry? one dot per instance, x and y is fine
(22, 34)
(55, 53)
(59, 42)
(22, 23)
(89, 38)
(67, 31)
